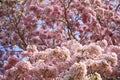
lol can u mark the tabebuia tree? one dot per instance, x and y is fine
(59, 39)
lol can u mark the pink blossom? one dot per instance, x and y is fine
(11, 62)
(23, 66)
(102, 43)
(92, 50)
(78, 71)
(34, 8)
(61, 39)
(2, 34)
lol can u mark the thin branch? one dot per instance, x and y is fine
(117, 7)
(69, 25)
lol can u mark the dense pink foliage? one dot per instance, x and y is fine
(66, 62)
(59, 37)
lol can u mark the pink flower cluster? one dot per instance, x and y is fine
(44, 30)
(70, 61)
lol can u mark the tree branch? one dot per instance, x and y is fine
(117, 7)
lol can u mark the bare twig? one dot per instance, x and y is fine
(117, 7)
